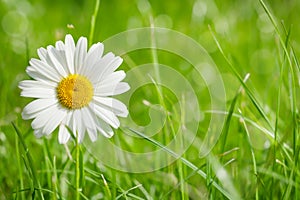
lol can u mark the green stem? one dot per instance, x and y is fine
(93, 22)
(19, 167)
(77, 170)
(36, 182)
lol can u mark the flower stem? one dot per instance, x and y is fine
(77, 170)
(93, 22)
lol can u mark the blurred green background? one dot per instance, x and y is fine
(242, 28)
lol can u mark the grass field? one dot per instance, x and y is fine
(213, 106)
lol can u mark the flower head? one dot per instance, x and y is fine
(73, 88)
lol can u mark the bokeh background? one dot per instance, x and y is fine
(242, 28)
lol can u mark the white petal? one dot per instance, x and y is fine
(59, 45)
(113, 78)
(104, 129)
(99, 67)
(38, 93)
(80, 129)
(80, 53)
(30, 84)
(96, 50)
(49, 61)
(88, 118)
(43, 116)
(92, 134)
(113, 65)
(40, 77)
(63, 134)
(106, 115)
(44, 69)
(38, 133)
(103, 68)
(69, 52)
(33, 108)
(121, 88)
(57, 61)
(54, 120)
(89, 122)
(94, 54)
(42, 53)
(110, 90)
(71, 123)
(60, 50)
(116, 106)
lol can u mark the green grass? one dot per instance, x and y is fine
(255, 46)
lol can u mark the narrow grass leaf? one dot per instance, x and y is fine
(19, 167)
(247, 89)
(125, 193)
(293, 83)
(185, 161)
(93, 22)
(30, 162)
(252, 157)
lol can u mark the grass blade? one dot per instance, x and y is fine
(30, 162)
(230, 113)
(240, 79)
(292, 91)
(93, 22)
(252, 156)
(20, 168)
(227, 194)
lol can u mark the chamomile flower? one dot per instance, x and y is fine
(73, 89)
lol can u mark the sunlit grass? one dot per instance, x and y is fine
(254, 45)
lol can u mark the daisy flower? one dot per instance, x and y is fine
(72, 87)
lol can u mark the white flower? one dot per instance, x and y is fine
(72, 87)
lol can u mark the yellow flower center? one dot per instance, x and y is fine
(74, 91)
